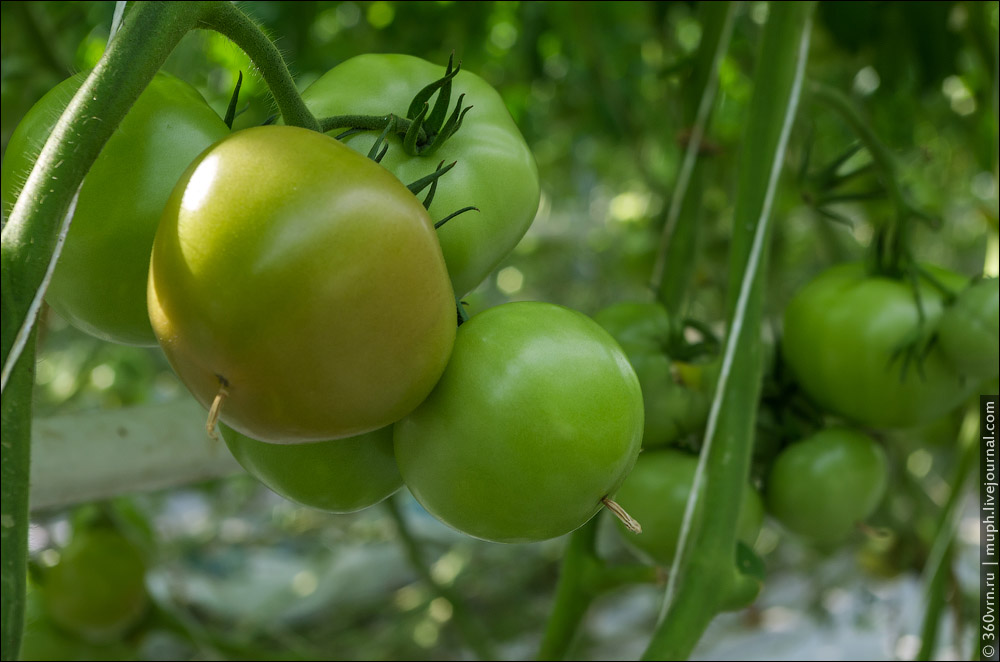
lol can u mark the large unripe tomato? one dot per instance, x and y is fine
(339, 476)
(969, 331)
(495, 172)
(537, 418)
(97, 591)
(656, 494)
(844, 334)
(672, 409)
(822, 486)
(99, 283)
(305, 278)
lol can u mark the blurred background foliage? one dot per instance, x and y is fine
(600, 91)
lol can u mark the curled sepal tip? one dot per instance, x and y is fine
(453, 215)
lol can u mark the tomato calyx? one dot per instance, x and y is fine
(425, 181)
(424, 129)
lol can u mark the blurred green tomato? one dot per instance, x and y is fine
(822, 486)
(656, 494)
(339, 476)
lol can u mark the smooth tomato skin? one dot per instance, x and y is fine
(537, 418)
(338, 476)
(822, 486)
(496, 171)
(656, 494)
(969, 330)
(97, 591)
(307, 277)
(840, 333)
(99, 283)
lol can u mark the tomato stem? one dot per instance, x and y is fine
(229, 20)
(423, 130)
(703, 580)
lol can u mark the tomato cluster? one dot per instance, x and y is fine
(878, 353)
(305, 295)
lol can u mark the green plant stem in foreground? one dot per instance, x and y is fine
(703, 578)
(14, 471)
(573, 595)
(582, 578)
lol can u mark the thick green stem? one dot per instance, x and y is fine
(677, 250)
(29, 247)
(573, 592)
(701, 582)
(472, 633)
(582, 578)
(14, 473)
(30, 236)
(227, 19)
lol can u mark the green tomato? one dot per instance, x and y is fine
(97, 591)
(99, 283)
(672, 409)
(496, 171)
(656, 494)
(969, 330)
(339, 476)
(822, 486)
(841, 332)
(637, 325)
(537, 418)
(44, 640)
(308, 280)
